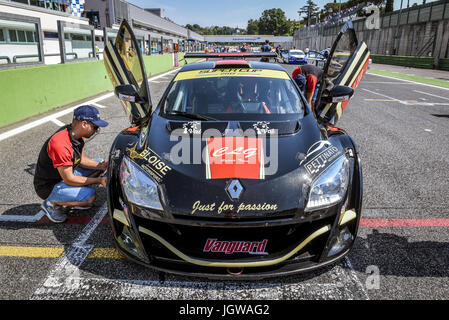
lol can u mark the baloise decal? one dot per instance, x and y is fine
(153, 164)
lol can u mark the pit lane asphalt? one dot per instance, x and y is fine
(402, 136)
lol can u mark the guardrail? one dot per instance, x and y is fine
(5, 58)
(25, 56)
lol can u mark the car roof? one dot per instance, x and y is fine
(211, 65)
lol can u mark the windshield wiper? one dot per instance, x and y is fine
(191, 115)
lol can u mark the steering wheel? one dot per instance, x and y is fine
(263, 108)
(241, 106)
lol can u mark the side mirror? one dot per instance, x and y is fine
(128, 92)
(339, 94)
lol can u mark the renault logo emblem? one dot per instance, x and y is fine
(234, 189)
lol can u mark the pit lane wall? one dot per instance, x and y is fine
(29, 91)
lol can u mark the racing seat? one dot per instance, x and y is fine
(201, 103)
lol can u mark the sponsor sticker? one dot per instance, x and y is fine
(235, 157)
(230, 247)
(192, 127)
(263, 127)
(322, 159)
(153, 164)
(229, 207)
(232, 72)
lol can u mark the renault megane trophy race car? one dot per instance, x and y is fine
(232, 175)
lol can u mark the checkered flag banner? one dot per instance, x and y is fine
(77, 7)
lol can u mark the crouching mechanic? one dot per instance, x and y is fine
(312, 76)
(64, 175)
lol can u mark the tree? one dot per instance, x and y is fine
(273, 21)
(253, 27)
(309, 10)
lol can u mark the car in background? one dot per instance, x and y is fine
(315, 58)
(293, 56)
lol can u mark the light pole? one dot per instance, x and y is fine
(396, 40)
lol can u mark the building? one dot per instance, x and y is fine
(152, 29)
(60, 31)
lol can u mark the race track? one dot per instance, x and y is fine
(402, 249)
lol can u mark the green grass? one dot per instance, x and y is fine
(434, 82)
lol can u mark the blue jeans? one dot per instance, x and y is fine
(64, 193)
(315, 94)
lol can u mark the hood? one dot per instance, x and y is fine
(230, 175)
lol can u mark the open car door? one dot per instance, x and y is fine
(347, 63)
(125, 67)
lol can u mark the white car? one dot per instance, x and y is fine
(316, 58)
(293, 56)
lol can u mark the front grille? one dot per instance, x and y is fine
(190, 240)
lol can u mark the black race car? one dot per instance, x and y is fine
(232, 175)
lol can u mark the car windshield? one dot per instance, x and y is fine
(296, 52)
(234, 97)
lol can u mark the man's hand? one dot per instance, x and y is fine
(103, 181)
(102, 166)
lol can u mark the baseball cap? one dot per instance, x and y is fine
(90, 114)
(301, 81)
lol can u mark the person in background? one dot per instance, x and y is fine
(313, 76)
(266, 46)
(64, 174)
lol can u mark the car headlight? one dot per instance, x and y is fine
(330, 187)
(138, 186)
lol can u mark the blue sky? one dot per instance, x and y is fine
(233, 13)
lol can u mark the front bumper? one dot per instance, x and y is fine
(176, 245)
(297, 61)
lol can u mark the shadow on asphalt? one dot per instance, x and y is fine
(394, 255)
(28, 210)
(391, 253)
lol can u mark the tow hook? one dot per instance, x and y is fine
(232, 273)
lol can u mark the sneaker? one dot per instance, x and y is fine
(54, 213)
(78, 208)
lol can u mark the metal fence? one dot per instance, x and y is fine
(433, 11)
(413, 31)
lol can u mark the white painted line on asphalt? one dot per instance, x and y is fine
(66, 269)
(431, 94)
(152, 79)
(57, 122)
(12, 218)
(383, 95)
(59, 114)
(409, 103)
(354, 277)
(414, 82)
(98, 105)
(384, 82)
(101, 288)
(68, 284)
